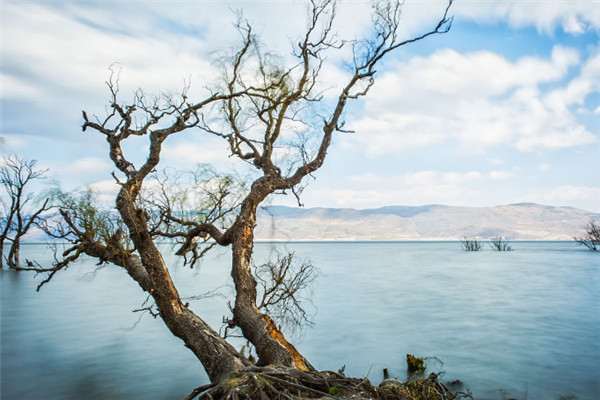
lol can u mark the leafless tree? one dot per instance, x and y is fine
(498, 243)
(272, 116)
(19, 213)
(471, 244)
(591, 240)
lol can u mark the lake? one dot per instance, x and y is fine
(522, 324)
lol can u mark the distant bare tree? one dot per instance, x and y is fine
(471, 244)
(498, 243)
(18, 212)
(591, 240)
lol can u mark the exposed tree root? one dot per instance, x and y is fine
(269, 383)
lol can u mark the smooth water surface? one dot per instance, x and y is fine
(522, 324)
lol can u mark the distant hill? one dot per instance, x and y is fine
(523, 221)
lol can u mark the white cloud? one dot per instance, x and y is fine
(49, 50)
(543, 167)
(69, 176)
(501, 174)
(186, 153)
(414, 188)
(105, 191)
(420, 178)
(584, 197)
(404, 195)
(365, 178)
(435, 178)
(18, 89)
(82, 170)
(495, 161)
(444, 71)
(587, 82)
(573, 17)
(89, 165)
(56, 47)
(12, 144)
(478, 99)
(56, 55)
(389, 132)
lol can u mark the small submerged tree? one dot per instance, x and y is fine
(471, 244)
(498, 243)
(19, 212)
(591, 240)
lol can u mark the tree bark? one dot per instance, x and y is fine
(271, 345)
(13, 254)
(5, 230)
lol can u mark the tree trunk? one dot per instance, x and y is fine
(218, 357)
(271, 345)
(4, 237)
(13, 254)
(1, 252)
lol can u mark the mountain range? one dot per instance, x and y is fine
(523, 221)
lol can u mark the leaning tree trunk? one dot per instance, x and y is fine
(271, 345)
(1, 252)
(218, 357)
(3, 238)
(13, 254)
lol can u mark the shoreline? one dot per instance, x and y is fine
(356, 240)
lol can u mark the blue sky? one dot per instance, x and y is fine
(505, 108)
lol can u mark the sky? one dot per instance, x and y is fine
(503, 109)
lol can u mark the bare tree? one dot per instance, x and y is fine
(19, 213)
(498, 243)
(471, 244)
(591, 240)
(259, 123)
(272, 116)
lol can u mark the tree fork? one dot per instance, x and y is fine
(217, 356)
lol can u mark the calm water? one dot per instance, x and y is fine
(522, 324)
